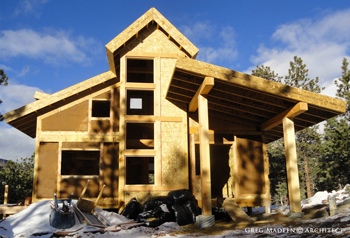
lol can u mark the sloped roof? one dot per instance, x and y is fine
(240, 103)
(131, 33)
(24, 118)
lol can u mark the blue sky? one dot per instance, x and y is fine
(48, 45)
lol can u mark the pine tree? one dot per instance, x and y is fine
(266, 73)
(343, 85)
(3, 81)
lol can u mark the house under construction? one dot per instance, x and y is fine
(159, 120)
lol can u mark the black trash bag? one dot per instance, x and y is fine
(153, 223)
(142, 217)
(181, 217)
(181, 196)
(155, 202)
(132, 209)
(165, 217)
(191, 210)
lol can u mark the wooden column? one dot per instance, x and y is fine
(292, 165)
(204, 154)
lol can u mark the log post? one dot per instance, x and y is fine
(292, 165)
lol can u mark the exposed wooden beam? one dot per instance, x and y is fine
(40, 95)
(204, 89)
(291, 165)
(204, 154)
(289, 113)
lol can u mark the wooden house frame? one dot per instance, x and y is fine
(159, 120)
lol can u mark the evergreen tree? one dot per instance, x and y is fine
(19, 176)
(343, 85)
(335, 150)
(266, 73)
(3, 81)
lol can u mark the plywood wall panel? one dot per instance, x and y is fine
(47, 170)
(110, 170)
(74, 118)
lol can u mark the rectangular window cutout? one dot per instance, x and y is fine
(139, 135)
(140, 70)
(139, 170)
(140, 102)
(101, 108)
(80, 162)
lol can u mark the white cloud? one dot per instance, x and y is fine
(54, 48)
(24, 71)
(321, 43)
(13, 97)
(225, 50)
(15, 144)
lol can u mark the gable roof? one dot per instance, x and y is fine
(245, 102)
(24, 118)
(131, 33)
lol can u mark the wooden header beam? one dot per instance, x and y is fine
(298, 109)
(204, 89)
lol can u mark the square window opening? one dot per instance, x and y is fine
(139, 135)
(140, 70)
(140, 102)
(101, 108)
(139, 170)
(80, 162)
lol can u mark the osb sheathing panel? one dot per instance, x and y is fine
(47, 170)
(105, 95)
(152, 41)
(142, 22)
(142, 197)
(250, 162)
(80, 145)
(100, 126)
(110, 170)
(74, 118)
(76, 185)
(174, 134)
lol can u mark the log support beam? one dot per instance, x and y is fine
(204, 89)
(292, 165)
(292, 112)
(203, 117)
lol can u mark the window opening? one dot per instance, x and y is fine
(140, 102)
(139, 135)
(80, 162)
(101, 108)
(140, 70)
(139, 170)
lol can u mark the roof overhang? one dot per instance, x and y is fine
(246, 105)
(25, 118)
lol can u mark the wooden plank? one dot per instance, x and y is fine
(137, 118)
(292, 112)
(140, 152)
(122, 129)
(143, 86)
(7, 210)
(255, 83)
(234, 211)
(40, 95)
(204, 154)
(292, 165)
(193, 164)
(204, 89)
(149, 188)
(266, 173)
(152, 55)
